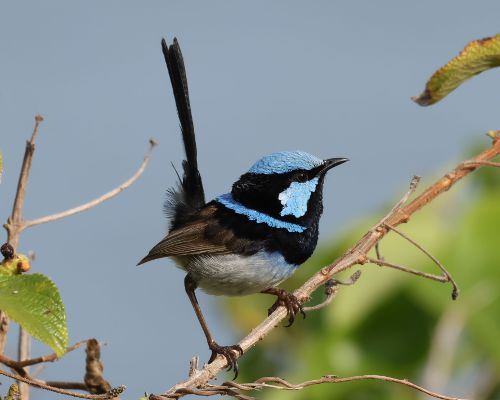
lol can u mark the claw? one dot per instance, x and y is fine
(229, 353)
(292, 304)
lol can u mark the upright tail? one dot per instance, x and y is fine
(190, 196)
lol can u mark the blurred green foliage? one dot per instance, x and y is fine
(392, 323)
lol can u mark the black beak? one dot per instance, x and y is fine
(332, 162)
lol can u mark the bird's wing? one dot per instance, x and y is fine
(190, 196)
(187, 240)
(192, 238)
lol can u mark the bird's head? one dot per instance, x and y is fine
(286, 185)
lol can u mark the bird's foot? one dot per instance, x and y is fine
(229, 352)
(288, 300)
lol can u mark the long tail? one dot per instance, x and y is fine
(190, 196)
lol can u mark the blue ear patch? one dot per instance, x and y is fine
(295, 198)
(285, 161)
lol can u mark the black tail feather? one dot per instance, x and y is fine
(191, 191)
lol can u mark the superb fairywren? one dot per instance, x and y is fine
(250, 239)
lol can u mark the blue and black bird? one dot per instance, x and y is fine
(250, 239)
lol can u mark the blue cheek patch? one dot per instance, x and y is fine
(257, 216)
(285, 161)
(295, 198)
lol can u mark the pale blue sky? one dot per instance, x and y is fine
(330, 78)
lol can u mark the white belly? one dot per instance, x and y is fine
(234, 275)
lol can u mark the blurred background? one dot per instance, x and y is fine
(330, 78)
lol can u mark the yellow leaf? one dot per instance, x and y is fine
(478, 56)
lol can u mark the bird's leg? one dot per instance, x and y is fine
(288, 300)
(227, 351)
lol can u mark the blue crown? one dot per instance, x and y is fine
(285, 161)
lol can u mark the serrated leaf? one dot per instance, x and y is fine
(478, 56)
(33, 301)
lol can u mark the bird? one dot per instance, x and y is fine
(250, 239)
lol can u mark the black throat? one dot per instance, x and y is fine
(296, 247)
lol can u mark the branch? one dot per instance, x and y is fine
(229, 388)
(97, 201)
(114, 392)
(446, 275)
(23, 352)
(13, 228)
(17, 208)
(438, 278)
(19, 365)
(355, 255)
(16, 224)
(331, 290)
(478, 163)
(94, 381)
(68, 385)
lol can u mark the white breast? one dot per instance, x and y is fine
(235, 275)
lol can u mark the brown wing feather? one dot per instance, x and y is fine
(190, 239)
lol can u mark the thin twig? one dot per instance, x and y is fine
(281, 383)
(97, 201)
(68, 385)
(17, 208)
(16, 224)
(331, 289)
(377, 251)
(331, 293)
(413, 186)
(9, 362)
(450, 179)
(438, 278)
(352, 257)
(485, 163)
(270, 382)
(13, 227)
(51, 357)
(23, 353)
(456, 291)
(42, 385)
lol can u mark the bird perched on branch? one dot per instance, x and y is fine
(250, 239)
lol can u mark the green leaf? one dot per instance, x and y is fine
(33, 301)
(478, 56)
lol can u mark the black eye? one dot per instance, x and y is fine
(301, 177)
